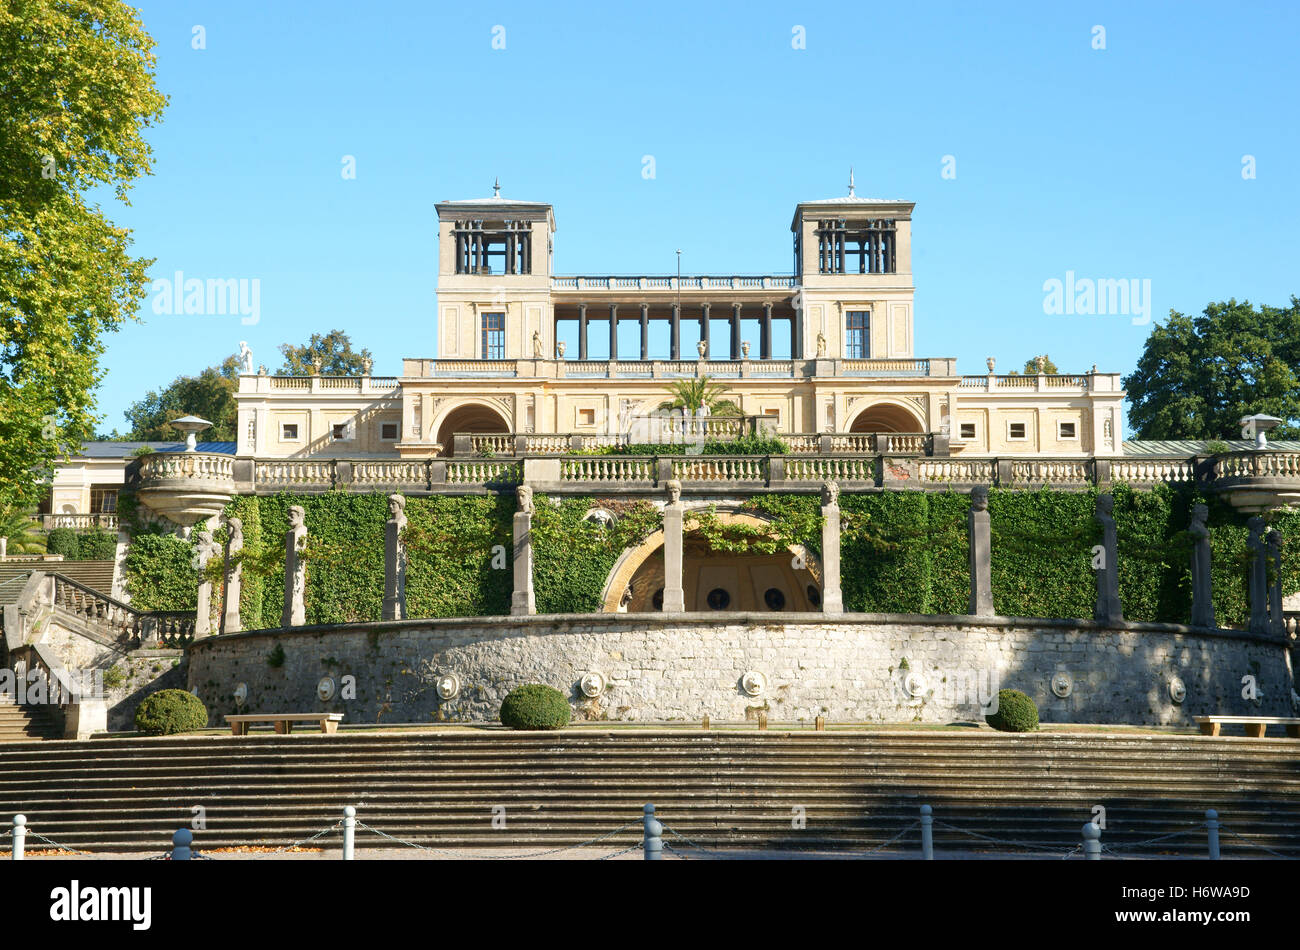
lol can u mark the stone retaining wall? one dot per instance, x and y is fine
(859, 667)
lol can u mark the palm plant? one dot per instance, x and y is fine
(22, 532)
(692, 395)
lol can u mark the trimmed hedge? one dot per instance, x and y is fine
(159, 573)
(170, 711)
(1016, 712)
(95, 545)
(534, 706)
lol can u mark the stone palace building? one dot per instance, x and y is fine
(844, 322)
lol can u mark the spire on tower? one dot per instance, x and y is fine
(850, 181)
(496, 187)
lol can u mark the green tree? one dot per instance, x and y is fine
(332, 352)
(23, 533)
(210, 395)
(78, 81)
(1198, 376)
(1031, 367)
(691, 395)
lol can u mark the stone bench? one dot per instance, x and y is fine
(1255, 725)
(283, 722)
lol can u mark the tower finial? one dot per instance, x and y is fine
(850, 181)
(496, 187)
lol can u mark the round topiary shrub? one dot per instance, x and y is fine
(1016, 712)
(62, 541)
(534, 706)
(169, 711)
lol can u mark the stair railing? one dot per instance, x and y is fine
(170, 628)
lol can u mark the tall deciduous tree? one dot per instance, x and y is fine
(209, 395)
(78, 81)
(1198, 376)
(332, 352)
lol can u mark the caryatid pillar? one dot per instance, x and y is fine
(1202, 577)
(522, 601)
(981, 553)
(395, 559)
(207, 550)
(1108, 608)
(295, 570)
(230, 622)
(832, 597)
(674, 592)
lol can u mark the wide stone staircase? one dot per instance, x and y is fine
(853, 790)
(25, 723)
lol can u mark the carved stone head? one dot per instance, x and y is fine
(979, 498)
(1200, 513)
(524, 495)
(674, 491)
(236, 526)
(396, 507)
(830, 493)
(296, 516)
(1105, 505)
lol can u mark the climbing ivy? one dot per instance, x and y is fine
(573, 555)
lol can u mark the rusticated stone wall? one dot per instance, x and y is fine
(857, 668)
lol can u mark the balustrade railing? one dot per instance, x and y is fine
(1052, 472)
(158, 466)
(827, 468)
(622, 469)
(1257, 464)
(959, 471)
(720, 468)
(80, 522)
(1153, 471)
(123, 621)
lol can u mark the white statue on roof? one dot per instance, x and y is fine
(245, 358)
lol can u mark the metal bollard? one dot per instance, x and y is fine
(349, 832)
(1091, 842)
(181, 844)
(20, 836)
(1212, 832)
(927, 833)
(653, 844)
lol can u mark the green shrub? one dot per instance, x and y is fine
(114, 677)
(62, 541)
(170, 711)
(534, 706)
(1016, 712)
(97, 546)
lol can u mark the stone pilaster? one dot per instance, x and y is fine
(395, 559)
(832, 596)
(295, 570)
(230, 620)
(1273, 541)
(1258, 585)
(523, 600)
(1202, 577)
(981, 548)
(208, 549)
(674, 515)
(1108, 608)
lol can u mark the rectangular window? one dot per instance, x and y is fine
(1066, 430)
(494, 336)
(857, 334)
(1016, 431)
(388, 431)
(967, 431)
(289, 432)
(103, 500)
(586, 417)
(339, 431)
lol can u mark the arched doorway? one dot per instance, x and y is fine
(886, 417)
(787, 581)
(473, 417)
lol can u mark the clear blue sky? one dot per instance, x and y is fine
(1117, 163)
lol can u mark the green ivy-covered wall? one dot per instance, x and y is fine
(902, 552)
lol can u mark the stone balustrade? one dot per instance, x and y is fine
(102, 521)
(1256, 480)
(186, 487)
(715, 367)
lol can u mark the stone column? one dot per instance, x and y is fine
(765, 334)
(1202, 583)
(645, 331)
(1108, 609)
(1273, 541)
(208, 549)
(981, 549)
(675, 333)
(295, 570)
(735, 331)
(230, 622)
(613, 331)
(674, 591)
(1258, 583)
(704, 327)
(522, 601)
(395, 559)
(832, 596)
(582, 331)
